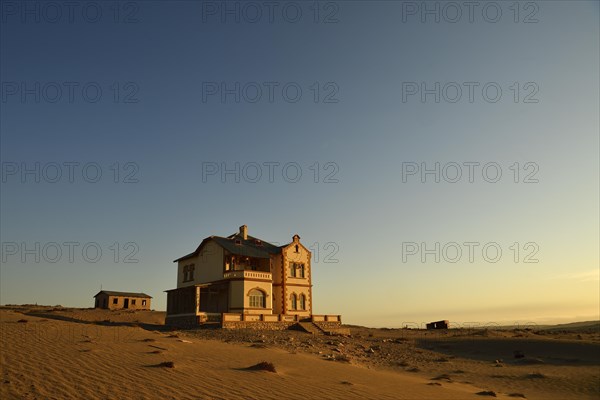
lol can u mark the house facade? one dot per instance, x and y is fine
(111, 300)
(241, 274)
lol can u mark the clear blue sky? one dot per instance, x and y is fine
(167, 71)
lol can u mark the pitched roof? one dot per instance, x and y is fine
(125, 294)
(250, 247)
(235, 244)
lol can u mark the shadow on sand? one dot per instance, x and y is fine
(146, 326)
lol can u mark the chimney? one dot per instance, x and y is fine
(244, 232)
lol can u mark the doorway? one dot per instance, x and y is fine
(126, 304)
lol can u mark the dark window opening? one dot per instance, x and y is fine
(188, 273)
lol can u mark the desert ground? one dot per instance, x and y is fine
(66, 353)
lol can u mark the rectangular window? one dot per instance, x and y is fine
(143, 302)
(188, 273)
(296, 270)
(115, 300)
(132, 301)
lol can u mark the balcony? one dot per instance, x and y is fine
(248, 274)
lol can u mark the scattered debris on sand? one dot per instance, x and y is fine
(487, 393)
(263, 366)
(165, 364)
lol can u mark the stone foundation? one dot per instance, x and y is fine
(328, 325)
(257, 325)
(271, 322)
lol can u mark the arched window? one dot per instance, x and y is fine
(293, 270)
(257, 298)
(301, 270)
(302, 302)
(294, 302)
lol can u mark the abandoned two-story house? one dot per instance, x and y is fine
(242, 275)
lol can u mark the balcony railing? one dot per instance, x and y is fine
(248, 274)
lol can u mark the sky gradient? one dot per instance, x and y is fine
(160, 97)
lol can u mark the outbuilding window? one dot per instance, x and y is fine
(115, 300)
(143, 302)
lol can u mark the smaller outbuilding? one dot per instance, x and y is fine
(122, 300)
(438, 325)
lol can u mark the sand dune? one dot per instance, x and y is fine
(58, 358)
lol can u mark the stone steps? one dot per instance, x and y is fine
(310, 328)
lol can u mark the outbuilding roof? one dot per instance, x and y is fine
(124, 294)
